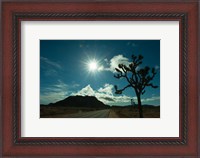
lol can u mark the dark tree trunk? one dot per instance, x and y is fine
(140, 106)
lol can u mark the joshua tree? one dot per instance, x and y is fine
(137, 78)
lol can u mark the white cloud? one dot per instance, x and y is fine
(85, 91)
(104, 94)
(114, 62)
(107, 89)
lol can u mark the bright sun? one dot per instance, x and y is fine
(92, 66)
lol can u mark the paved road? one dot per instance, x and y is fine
(91, 114)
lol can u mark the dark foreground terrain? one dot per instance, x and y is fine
(149, 111)
(112, 112)
(91, 107)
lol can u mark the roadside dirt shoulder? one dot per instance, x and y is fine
(112, 114)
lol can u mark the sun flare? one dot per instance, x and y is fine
(92, 66)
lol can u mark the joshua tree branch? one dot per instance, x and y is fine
(119, 76)
(152, 85)
(119, 91)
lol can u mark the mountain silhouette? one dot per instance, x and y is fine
(80, 101)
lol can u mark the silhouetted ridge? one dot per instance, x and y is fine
(80, 101)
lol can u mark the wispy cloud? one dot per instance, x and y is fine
(131, 44)
(50, 63)
(56, 92)
(50, 68)
(157, 67)
(151, 99)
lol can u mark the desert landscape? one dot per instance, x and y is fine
(91, 107)
(100, 78)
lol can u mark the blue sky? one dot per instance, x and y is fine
(86, 67)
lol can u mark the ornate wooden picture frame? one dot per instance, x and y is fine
(187, 144)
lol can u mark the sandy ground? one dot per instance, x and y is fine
(112, 114)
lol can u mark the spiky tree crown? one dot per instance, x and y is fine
(137, 78)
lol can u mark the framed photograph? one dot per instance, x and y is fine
(81, 85)
(100, 79)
